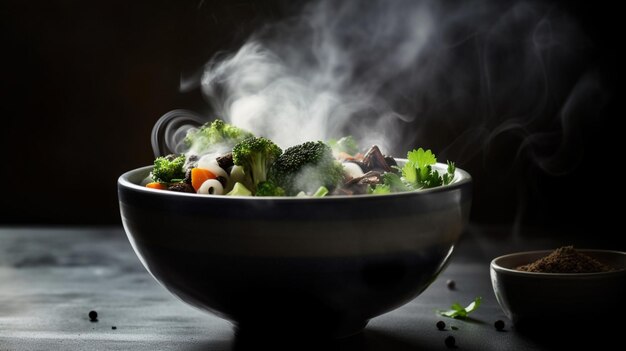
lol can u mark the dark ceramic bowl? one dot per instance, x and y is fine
(537, 300)
(311, 265)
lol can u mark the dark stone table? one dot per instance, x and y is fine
(50, 278)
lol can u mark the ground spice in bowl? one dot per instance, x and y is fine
(565, 260)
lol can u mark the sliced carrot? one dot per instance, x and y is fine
(199, 176)
(156, 185)
(344, 156)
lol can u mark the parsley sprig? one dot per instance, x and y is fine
(417, 173)
(458, 311)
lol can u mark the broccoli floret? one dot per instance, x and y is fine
(212, 134)
(269, 189)
(306, 167)
(346, 144)
(256, 155)
(239, 190)
(168, 168)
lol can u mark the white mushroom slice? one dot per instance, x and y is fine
(352, 169)
(211, 187)
(209, 163)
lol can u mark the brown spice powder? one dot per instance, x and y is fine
(565, 260)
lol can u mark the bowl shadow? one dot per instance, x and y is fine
(367, 339)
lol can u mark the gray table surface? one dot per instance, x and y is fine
(50, 278)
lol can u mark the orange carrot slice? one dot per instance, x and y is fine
(156, 185)
(344, 156)
(199, 176)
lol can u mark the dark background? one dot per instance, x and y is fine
(84, 81)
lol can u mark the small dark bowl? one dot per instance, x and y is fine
(538, 300)
(321, 266)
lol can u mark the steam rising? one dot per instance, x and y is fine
(402, 73)
(320, 75)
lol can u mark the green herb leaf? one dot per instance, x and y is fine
(474, 305)
(395, 183)
(422, 158)
(418, 172)
(380, 189)
(458, 311)
(448, 177)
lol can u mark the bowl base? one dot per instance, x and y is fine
(287, 331)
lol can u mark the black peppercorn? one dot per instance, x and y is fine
(450, 341)
(499, 324)
(441, 325)
(93, 316)
(451, 284)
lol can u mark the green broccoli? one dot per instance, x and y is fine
(346, 144)
(306, 167)
(209, 135)
(256, 155)
(239, 190)
(269, 189)
(168, 168)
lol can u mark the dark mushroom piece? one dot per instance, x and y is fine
(342, 191)
(181, 187)
(192, 162)
(359, 185)
(369, 178)
(225, 161)
(187, 178)
(375, 160)
(391, 162)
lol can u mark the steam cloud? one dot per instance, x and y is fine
(392, 72)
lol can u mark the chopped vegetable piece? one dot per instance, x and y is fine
(211, 187)
(418, 170)
(306, 167)
(269, 189)
(181, 187)
(256, 155)
(210, 135)
(346, 145)
(380, 189)
(239, 190)
(156, 185)
(168, 168)
(321, 192)
(199, 176)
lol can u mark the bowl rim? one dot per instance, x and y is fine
(501, 269)
(461, 178)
